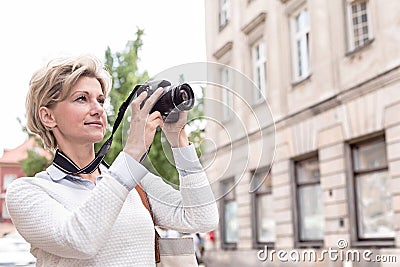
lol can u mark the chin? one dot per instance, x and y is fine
(96, 139)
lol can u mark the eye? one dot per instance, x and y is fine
(101, 100)
(81, 98)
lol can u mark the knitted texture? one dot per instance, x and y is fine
(106, 226)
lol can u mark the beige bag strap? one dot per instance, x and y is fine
(146, 203)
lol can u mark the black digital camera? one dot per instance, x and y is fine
(172, 100)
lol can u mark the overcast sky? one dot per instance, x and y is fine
(35, 31)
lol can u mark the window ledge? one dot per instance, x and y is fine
(310, 244)
(222, 27)
(302, 80)
(359, 49)
(373, 243)
(270, 245)
(229, 246)
(258, 102)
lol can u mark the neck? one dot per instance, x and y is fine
(81, 155)
(82, 159)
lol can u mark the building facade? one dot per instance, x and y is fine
(11, 169)
(330, 72)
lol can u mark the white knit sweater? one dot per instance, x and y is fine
(108, 225)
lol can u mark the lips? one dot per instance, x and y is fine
(94, 123)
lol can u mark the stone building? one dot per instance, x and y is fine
(330, 71)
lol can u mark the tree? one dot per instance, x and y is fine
(34, 162)
(123, 68)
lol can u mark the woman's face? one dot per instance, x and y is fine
(80, 118)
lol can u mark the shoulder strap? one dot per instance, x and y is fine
(146, 203)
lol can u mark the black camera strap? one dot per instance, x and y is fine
(65, 164)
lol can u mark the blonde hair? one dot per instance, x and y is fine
(52, 84)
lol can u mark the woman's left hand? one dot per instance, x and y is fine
(175, 131)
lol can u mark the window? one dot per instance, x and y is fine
(227, 95)
(373, 200)
(300, 28)
(259, 69)
(263, 212)
(8, 178)
(5, 214)
(229, 215)
(359, 28)
(310, 219)
(224, 12)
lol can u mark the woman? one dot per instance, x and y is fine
(98, 218)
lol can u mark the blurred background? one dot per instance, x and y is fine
(326, 169)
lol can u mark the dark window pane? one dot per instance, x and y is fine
(365, 30)
(370, 156)
(355, 21)
(261, 182)
(307, 171)
(364, 18)
(363, 5)
(228, 189)
(374, 205)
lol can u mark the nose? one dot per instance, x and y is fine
(96, 109)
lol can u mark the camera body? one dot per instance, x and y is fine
(173, 100)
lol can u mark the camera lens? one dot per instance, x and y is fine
(183, 97)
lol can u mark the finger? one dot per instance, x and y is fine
(155, 120)
(153, 99)
(139, 99)
(154, 115)
(152, 125)
(183, 114)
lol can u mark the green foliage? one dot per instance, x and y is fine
(34, 163)
(160, 159)
(124, 70)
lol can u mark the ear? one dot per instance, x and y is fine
(47, 117)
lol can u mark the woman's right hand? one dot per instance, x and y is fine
(143, 125)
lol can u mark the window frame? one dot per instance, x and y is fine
(224, 200)
(259, 64)
(224, 13)
(294, 38)
(257, 244)
(296, 203)
(356, 241)
(226, 94)
(7, 179)
(351, 47)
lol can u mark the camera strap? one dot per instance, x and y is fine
(65, 164)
